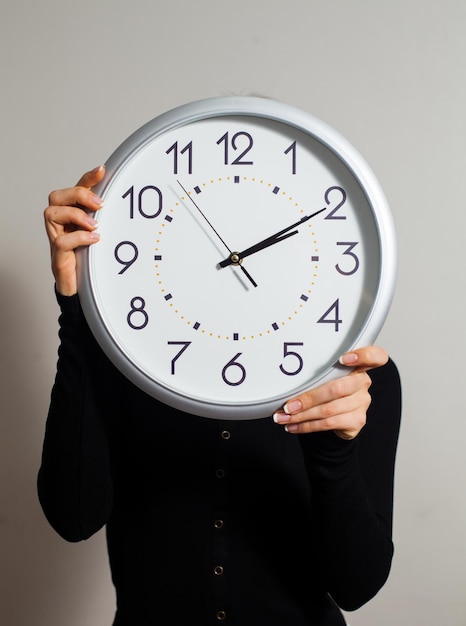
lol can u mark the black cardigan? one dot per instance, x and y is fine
(216, 522)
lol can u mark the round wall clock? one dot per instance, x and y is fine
(245, 245)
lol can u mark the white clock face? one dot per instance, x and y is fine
(212, 287)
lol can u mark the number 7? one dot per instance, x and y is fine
(185, 345)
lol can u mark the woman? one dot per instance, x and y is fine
(273, 522)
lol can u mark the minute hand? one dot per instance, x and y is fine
(236, 257)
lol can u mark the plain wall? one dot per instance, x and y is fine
(79, 77)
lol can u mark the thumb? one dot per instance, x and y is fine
(89, 179)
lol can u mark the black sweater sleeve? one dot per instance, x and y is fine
(352, 485)
(74, 482)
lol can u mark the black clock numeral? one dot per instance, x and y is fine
(350, 245)
(149, 202)
(126, 262)
(328, 319)
(291, 353)
(176, 154)
(234, 380)
(137, 318)
(337, 194)
(245, 143)
(185, 345)
(292, 149)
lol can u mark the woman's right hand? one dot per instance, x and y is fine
(69, 226)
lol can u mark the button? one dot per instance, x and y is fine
(226, 434)
(218, 570)
(220, 473)
(221, 616)
(218, 524)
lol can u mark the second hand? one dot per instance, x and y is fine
(243, 269)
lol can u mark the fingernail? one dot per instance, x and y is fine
(281, 418)
(98, 169)
(96, 200)
(94, 236)
(292, 428)
(292, 407)
(348, 359)
(92, 222)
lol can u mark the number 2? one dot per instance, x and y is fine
(342, 197)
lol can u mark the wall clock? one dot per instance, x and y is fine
(245, 245)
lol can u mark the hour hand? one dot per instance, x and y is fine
(236, 258)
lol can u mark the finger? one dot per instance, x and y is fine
(332, 409)
(59, 219)
(365, 358)
(342, 410)
(346, 425)
(81, 194)
(89, 179)
(326, 393)
(68, 242)
(76, 196)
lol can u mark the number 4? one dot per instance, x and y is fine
(327, 319)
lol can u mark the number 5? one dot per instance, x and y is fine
(287, 352)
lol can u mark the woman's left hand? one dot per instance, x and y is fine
(339, 405)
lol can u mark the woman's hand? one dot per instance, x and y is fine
(69, 226)
(339, 405)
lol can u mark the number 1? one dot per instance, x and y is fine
(292, 149)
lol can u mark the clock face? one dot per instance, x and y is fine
(245, 246)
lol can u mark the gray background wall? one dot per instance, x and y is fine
(78, 77)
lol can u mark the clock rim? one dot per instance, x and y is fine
(251, 106)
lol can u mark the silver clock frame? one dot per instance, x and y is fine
(291, 116)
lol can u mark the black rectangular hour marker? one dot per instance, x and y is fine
(304, 297)
(236, 179)
(235, 337)
(168, 296)
(197, 189)
(275, 326)
(276, 190)
(157, 257)
(314, 259)
(169, 218)
(196, 326)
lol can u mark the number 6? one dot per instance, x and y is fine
(230, 364)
